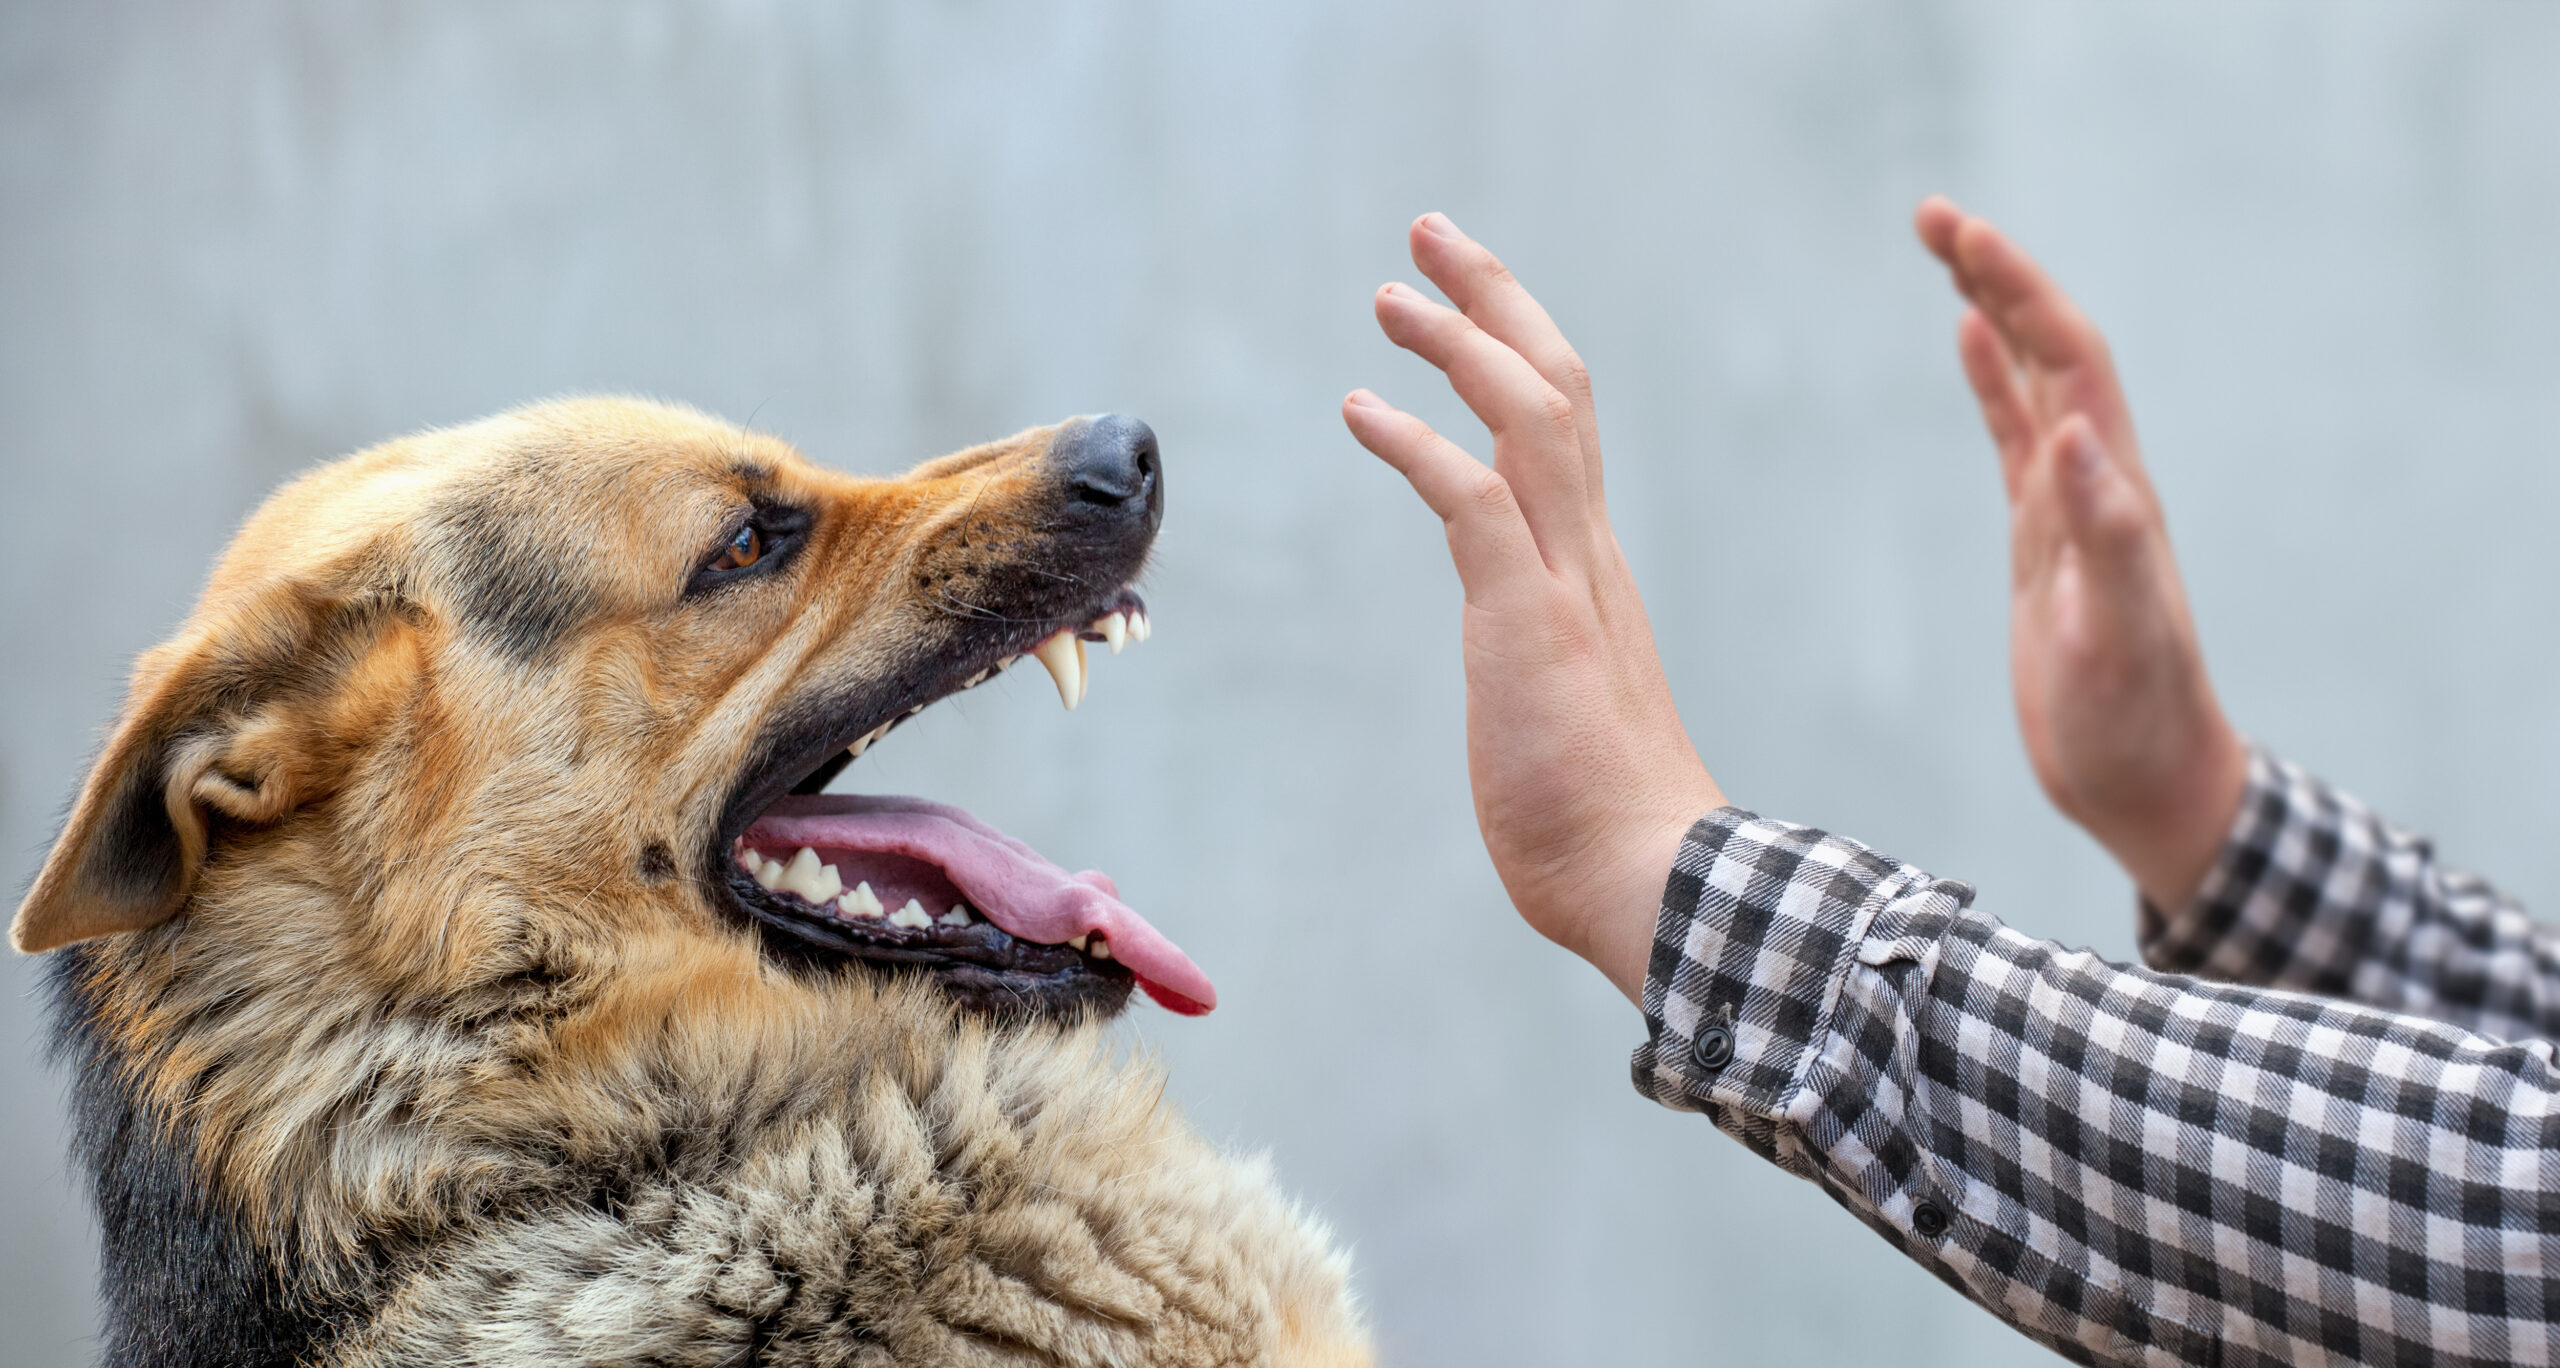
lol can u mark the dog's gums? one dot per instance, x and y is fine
(902, 882)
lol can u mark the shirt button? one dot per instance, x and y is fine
(1928, 1219)
(1713, 1049)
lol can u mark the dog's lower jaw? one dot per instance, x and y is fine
(1036, 981)
(767, 1170)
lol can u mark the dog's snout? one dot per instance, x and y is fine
(1111, 466)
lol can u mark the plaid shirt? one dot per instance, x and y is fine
(2345, 1150)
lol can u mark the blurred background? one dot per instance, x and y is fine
(238, 239)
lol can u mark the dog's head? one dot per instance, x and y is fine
(579, 672)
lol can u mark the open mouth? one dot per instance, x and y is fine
(906, 884)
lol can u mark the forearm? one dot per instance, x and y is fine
(2126, 1165)
(2315, 893)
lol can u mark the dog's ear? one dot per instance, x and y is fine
(251, 713)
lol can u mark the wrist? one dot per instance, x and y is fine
(2170, 851)
(1615, 934)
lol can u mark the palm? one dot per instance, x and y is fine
(2100, 693)
(1552, 766)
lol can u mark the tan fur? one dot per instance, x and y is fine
(428, 1024)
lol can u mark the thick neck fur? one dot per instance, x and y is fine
(571, 1141)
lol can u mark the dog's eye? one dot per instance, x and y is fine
(766, 540)
(743, 550)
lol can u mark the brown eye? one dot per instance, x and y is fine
(743, 550)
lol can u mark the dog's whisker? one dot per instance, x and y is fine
(963, 608)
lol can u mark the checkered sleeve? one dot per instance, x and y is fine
(2132, 1167)
(2314, 892)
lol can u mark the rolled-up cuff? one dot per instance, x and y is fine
(2291, 896)
(1758, 927)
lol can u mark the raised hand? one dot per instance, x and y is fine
(1584, 780)
(2120, 719)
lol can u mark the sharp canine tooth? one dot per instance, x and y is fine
(1063, 655)
(1139, 628)
(1115, 629)
(1101, 948)
(1077, 942)
(858, 747)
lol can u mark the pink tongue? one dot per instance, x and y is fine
(1015, 886)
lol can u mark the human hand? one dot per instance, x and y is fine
(2120, 719)
(1584, 780)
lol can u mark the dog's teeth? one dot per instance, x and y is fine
(812, 881)
(768, 873)
(1077, 942)
(1006, 663)
(914, 710)
(861, 902)
(912, 916)
(1101, 948)
(1139, 630)
(1115, 630)
(957, 916)
(977, 679)
(860, 744)
(1063, 655)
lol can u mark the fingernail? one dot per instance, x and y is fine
(1361, 398)
(1402, 291)
(1437, 224)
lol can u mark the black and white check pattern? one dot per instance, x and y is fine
(2134, 1166)
(2316, 894)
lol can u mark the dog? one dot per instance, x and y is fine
(458, 961)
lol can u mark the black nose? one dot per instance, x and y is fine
(1111, 467)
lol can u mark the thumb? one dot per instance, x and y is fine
(2104, 514)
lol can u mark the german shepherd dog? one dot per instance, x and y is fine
(458, 962)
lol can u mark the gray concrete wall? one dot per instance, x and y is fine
(236, 239)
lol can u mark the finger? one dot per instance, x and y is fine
(1937, 221)
(1994, 377)
(1488, 539)
(1535, 447)
(2048, 334)
(1494, 300)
